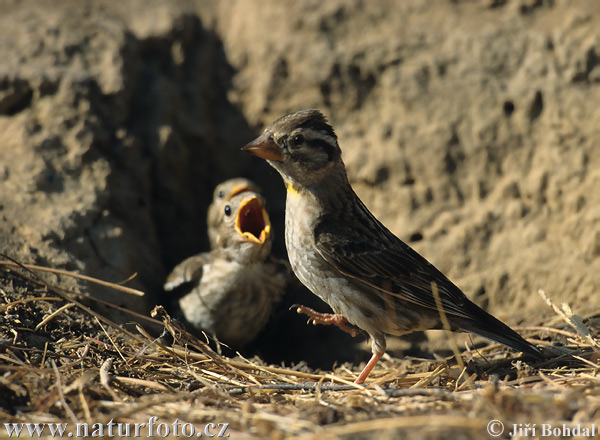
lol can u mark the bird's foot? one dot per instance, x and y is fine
(326, 319)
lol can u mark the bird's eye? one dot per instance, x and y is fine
(220, 194)
(227, 210)
(298, 139)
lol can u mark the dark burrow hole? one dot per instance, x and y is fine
(188, 164)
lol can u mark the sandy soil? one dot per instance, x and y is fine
(471, 129)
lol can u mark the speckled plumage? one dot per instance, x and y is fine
(344, 255)
(233, 288)
(233, 300)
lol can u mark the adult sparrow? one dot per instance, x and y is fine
(348, 258)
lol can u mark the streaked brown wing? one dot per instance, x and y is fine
(366, 250)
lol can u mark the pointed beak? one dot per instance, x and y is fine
(264, 147)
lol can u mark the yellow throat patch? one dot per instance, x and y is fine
(291, 190)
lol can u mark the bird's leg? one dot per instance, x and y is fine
(326, 319)
(365, 372)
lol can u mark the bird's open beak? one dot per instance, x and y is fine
(252, 221)
(264, 147)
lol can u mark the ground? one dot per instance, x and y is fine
(65, 363)
(471, 129)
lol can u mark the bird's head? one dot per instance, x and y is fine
(245, 227)
(221, 195)
(224, 191)
(302, 146)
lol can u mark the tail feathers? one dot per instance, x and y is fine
(485, 325)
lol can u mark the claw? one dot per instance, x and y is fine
(326, 319)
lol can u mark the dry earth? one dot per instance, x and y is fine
(471, 129)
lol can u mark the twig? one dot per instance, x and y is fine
(61, 395)
(142, 382)
(587, 362)
(570, 318)
(51, 316)
(105, 379)
(410, 392)
(446, 324)
(110, 339)
(114, 286)
(466, 383)
(77, 361)
(276, 370)
(61, 292)
(431, 377)
(546, 329)
(44, 355)
(549, 380)
(4, 307)
(292, 387)
(85, 406)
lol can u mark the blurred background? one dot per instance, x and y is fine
(470, 128)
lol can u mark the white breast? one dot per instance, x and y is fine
(301, 215)
(313, 271)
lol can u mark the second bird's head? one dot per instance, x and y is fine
(245, 228)
(302, 146)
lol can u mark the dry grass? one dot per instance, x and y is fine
(62, 362)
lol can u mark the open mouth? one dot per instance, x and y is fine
(252, 221)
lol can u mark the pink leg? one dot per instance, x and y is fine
(365, 372)
(326, 319)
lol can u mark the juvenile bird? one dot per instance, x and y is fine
(222, 194)
(344, 255)
(234, 287)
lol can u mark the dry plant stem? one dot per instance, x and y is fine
(153, 342)
(61, 394)
(280, 377)
(105, 379)
(67, 273)
(446, 325)
(462, 372)
(86, 408)
(317, 387)
(467, 382)
(142, 382)
(147, 375)
(587, 362)
(333, 378)
(51, 316)
(43, 362)
(276, 370)
(110, 339)
(551, 381)
(26, 300)
(431, 377)
(546, 329)
(572, 319)
(60, 292)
